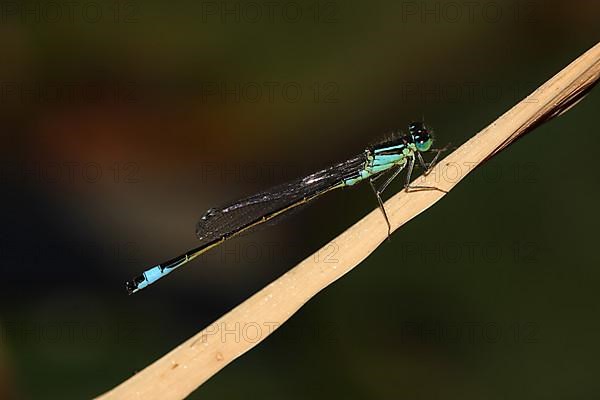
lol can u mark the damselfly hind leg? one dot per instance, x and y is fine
(379, 191)
(381, 206)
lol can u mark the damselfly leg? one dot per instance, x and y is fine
(381, 206)
(427, 167)
(379, 191)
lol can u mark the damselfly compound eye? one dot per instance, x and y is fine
(424, 145)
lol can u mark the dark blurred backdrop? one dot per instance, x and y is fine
(122, 122)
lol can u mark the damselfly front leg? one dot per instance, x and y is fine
(428, 167)
(407, 186)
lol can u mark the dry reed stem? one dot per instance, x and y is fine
(192, 363)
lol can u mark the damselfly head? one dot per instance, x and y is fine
(421, 135)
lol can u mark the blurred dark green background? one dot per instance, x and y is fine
(122, 122)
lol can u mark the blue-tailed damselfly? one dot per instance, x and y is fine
(384, 159)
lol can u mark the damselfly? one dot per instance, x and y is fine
(388, 158)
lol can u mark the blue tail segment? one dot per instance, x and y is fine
(155, 273)
(147, 278)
